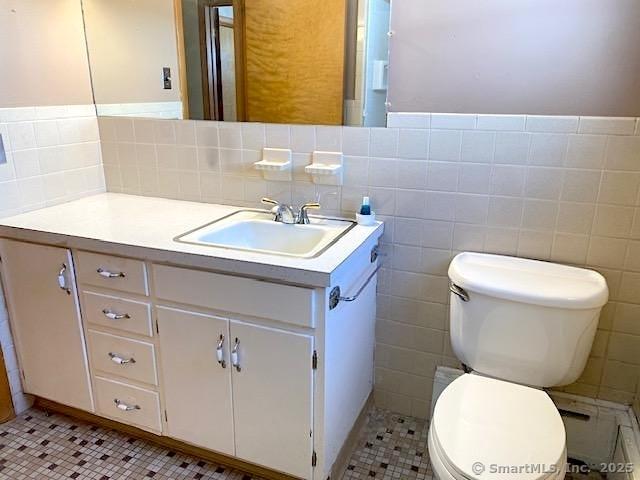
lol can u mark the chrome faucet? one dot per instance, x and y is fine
(286, 213)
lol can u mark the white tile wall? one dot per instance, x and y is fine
(21, 402)
(53, 156)
(565, 189)
(169, 110)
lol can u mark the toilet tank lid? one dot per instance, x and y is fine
(529, 281)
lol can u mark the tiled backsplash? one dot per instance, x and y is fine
(53, 156)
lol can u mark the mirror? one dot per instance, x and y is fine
(276, 61)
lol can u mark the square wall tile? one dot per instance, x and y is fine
(478, 146)
(384, 142)
(512, 148)
(413, 143)
(623, 153)
(620, 188)
(586, 151)
(445, 145)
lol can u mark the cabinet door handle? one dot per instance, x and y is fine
(107, 274)
(111, 315)
(235, 355)
(62, 279)
(120, 360)
(124, 407)
(220, 352)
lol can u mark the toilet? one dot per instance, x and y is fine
(518, 326)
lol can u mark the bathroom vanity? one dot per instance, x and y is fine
(240, 352)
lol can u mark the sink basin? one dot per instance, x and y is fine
(255, 230)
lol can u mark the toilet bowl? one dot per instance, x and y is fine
(518, 325)
(486, 428)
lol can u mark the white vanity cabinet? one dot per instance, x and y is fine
(273, 397)
(268, 372)
(45, 320)
(197, 387)
(272, 373)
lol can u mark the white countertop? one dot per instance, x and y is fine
(145, 227)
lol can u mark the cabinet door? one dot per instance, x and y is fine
(197, 389)
(273, 398)
(45, 318)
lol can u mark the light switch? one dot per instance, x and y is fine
(3, 155)
(166, 77)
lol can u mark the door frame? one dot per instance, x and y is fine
(209, 22)
(182, 57)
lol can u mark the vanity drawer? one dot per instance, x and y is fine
(116, 273)
(245, 296)
(122, 357)
(128, 404)
(118, 313)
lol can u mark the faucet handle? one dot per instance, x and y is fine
(303, 217)
(268, 201)
(310, 205)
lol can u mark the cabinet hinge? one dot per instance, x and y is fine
(314, 360)
(166, 418)
(157, 327)
(314, 459)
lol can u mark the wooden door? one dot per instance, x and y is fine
(294, 57)
(273, 398)
(197, 389)
(45, 320)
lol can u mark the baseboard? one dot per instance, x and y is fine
(350, 444)
(166, 442)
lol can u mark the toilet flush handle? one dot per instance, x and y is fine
(459, 291)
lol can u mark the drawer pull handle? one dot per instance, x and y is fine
(115, 316)
(220, 352)
(118, 360)
(124, 407)
(107, 274)
(235, 355)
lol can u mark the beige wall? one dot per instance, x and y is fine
(571, 57)
(42, 54)
(129, 43)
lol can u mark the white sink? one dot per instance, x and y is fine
(258, 232)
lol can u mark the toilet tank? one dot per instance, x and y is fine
(525, 321)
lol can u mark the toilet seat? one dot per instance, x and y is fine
(512, 430)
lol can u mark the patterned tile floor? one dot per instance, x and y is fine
(393, 446)
(36, 446)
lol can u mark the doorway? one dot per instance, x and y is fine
(221, 54)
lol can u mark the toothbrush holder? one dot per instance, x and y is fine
(366, 220)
